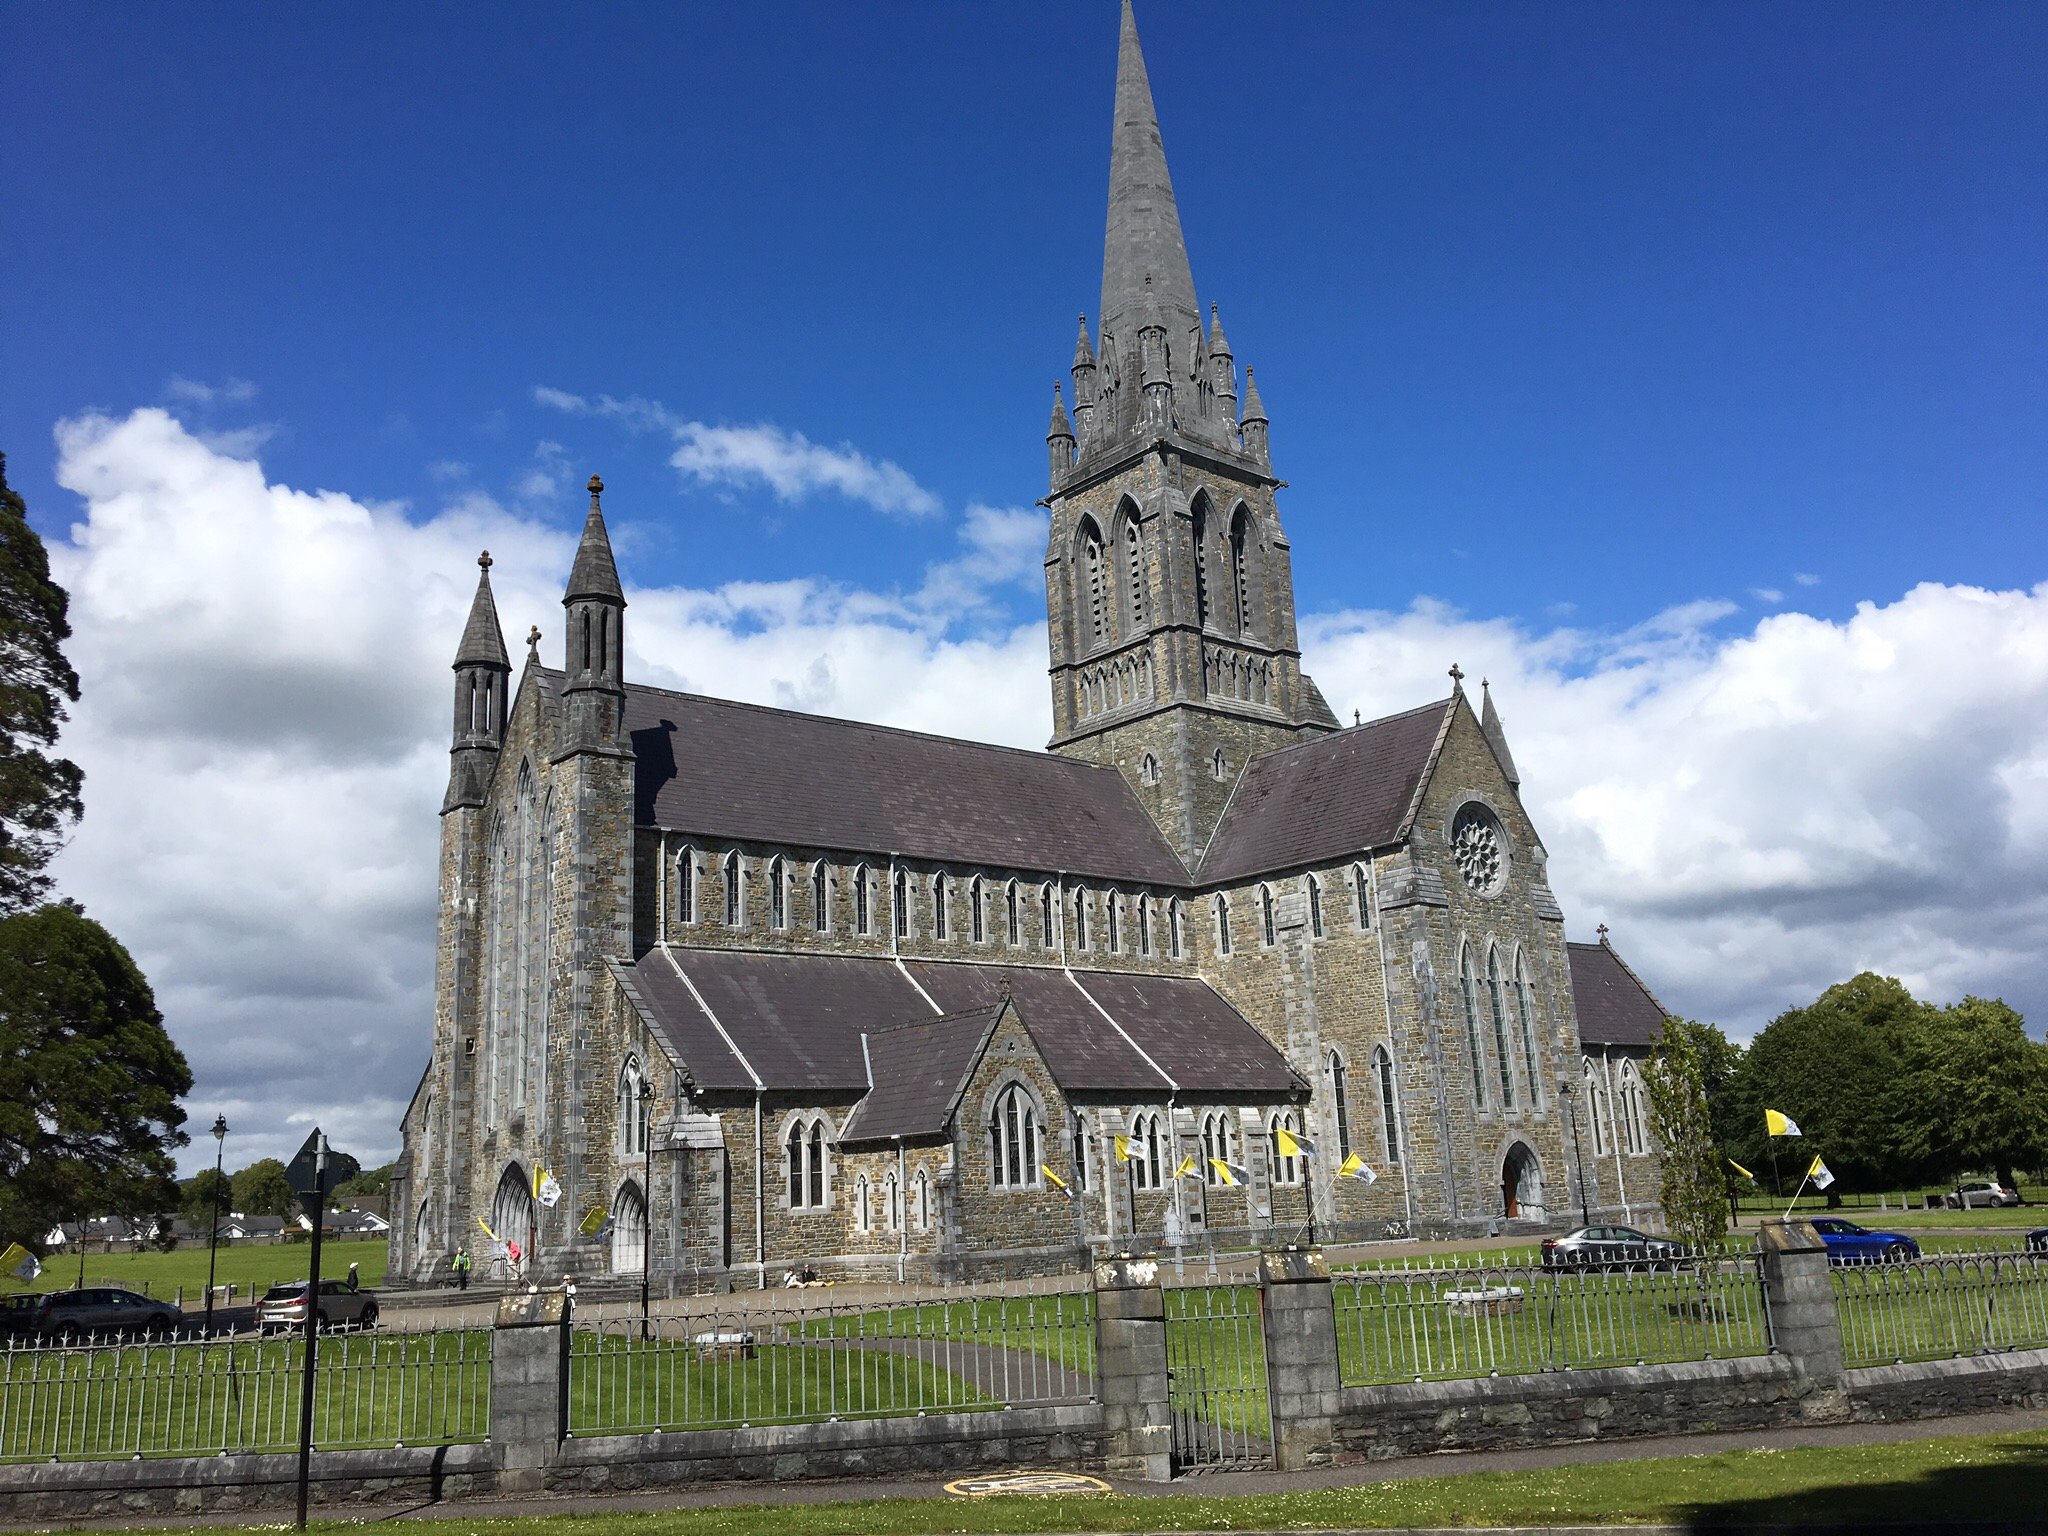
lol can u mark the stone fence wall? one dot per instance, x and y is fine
(1126, 1429)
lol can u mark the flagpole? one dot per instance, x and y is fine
(1798, 1192)
(1131, 1191)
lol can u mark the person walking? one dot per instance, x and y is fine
(354, 1283)
(461, 1265)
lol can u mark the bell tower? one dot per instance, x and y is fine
(1168, 580)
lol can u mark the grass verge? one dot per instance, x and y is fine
(260, 1265)
(1995, 1477)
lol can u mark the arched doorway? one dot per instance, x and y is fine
(1521, 1183)
(424, 1259)
(629, 1231)
(513, 1217)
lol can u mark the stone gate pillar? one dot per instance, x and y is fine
(1801, 1299)
(529, 1387)
(1301, 1356)
(1130, 1368)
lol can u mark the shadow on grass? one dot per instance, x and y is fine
(2009, 1492)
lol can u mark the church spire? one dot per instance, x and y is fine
(593, 664)
(481, 669)
(1145, 274)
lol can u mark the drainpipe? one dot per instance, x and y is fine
(760, 1205)
(902, 1213)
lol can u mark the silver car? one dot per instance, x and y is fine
(1609, 1248)
(283, 1309)
(1987, 1193)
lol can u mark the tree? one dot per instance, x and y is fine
(89, 1080)
(203, 1194)
(374, 1182)
(39, 792)
(1978, 1092)
(1694, 1193)
(261, 1189)
(1835, 1066)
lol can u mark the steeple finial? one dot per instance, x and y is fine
(1457, 678)
(1219, 344)
(1496, 735)
(1144, 255)
(533, 643)
(595, 573)
(483, 642)
(1084, 349)
(1602, 931)
(1254, 407)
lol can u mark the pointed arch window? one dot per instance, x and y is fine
(1340, 1103)
(735, 890)
(1240, 568)
(1285, 1169)
(1315, 906)
(1144, 924)
(1142, 1147)
(1468, 985)
(1201, 533)
(635, 1099)
(1219, 1145)
(1173, 921)
(1596, 1105)
(1496, 994)
(1094, 583)
(778, 894)
(1134, 571)
(939, 905)
(1013, 1140)
(1635, 1136)
(1112, 905)
(686, 886)
(1045, 928)
(1077, 1154)
(899, 904)
(921, 1201)
(805, 1149)
(1361, 894)
(1267, 936)
(892, 1203)
(863, 1215)
(1081, 918)
(863, 912)
(821, 898)
(1013, 926)
(977, 917)
(1219, 768)
(1525, 1012)
(1390, 1120)
(1148, 770)
(1222, 923)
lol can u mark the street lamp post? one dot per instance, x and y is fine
(1567, 1090)
(220, 1138)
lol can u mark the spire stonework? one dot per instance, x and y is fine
(1169, 582)
(481, 670)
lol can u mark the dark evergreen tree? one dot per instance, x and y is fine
(89, 1080)
(39, 791)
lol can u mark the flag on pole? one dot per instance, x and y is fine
(487, 1231)
(1292, 1145)
(1230, 1173)
(1123, 1148)
(1354, 1167)
(596, 1223)
(546, 1190)
(20, 1263)
(1776, 1124)
(1820, 1175)
(1188, 1168)
(1742, 1170)
(1055, 1180)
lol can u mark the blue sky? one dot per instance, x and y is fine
(1681, 368)
(1609, 306)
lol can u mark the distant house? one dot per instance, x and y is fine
(350, 1224)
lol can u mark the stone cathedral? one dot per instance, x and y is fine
(762, 989)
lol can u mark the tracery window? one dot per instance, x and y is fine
(1496, 993)
(1094, 582)
(1240, 567)
(1468, 984)
(1144, 1151)
(1285, 1169)
(809, 1178)
(1635, 1133)
(1134, 571)
(1219, 1144)
(1595, 1095)
(1013, 1140)
(1525, 1008)
(1390, 1121)
(1478, 847)
(635, 1098)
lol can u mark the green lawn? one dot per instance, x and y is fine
(1060, 1328)
(162, 1274)
(621, 1384)
(1994, 1478)
(181, 1399)
(1931, 1312)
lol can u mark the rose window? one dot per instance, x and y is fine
(1476, 845)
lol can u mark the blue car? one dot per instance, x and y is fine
(1851, 1244)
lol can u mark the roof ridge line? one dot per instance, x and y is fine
(684, 977)
(1630, 971)
(953, 1017)
(1343, 731)
(1436, 752)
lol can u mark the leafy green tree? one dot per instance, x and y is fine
(1978, 1092)
(1694, 1193)
(1835, 1066)
(198, 1196)
(261, 1189)
(89, 1080)
(39, 791)
(370, 1181)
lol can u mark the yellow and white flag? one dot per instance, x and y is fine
(1292, 1145)
(1777, 1124)
(1742, 1170)
(487, 1231)
(1229, 1173)
(1187, 1168)
(1354, 1167)
(18, 1262)
(546, 1190)
(1055, 1180)
(1123, 1148)
(1820, 1175)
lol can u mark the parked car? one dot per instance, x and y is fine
(1851, 1244)
(1609, 1248)
(18, 1314)
(1988, 1193)
(283, 1307)
(2037, 1240)
(103, 1311)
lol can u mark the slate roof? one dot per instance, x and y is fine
(1615, 1008)
(920, 1071)
(1328, 798)
(747, 773)
(736, 1020)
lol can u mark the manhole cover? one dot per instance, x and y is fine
(1026, 1482)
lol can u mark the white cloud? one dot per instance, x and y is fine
(194, 392)
(1757, 811)
(1807, 579)
(1769, 596)
(762, 455)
